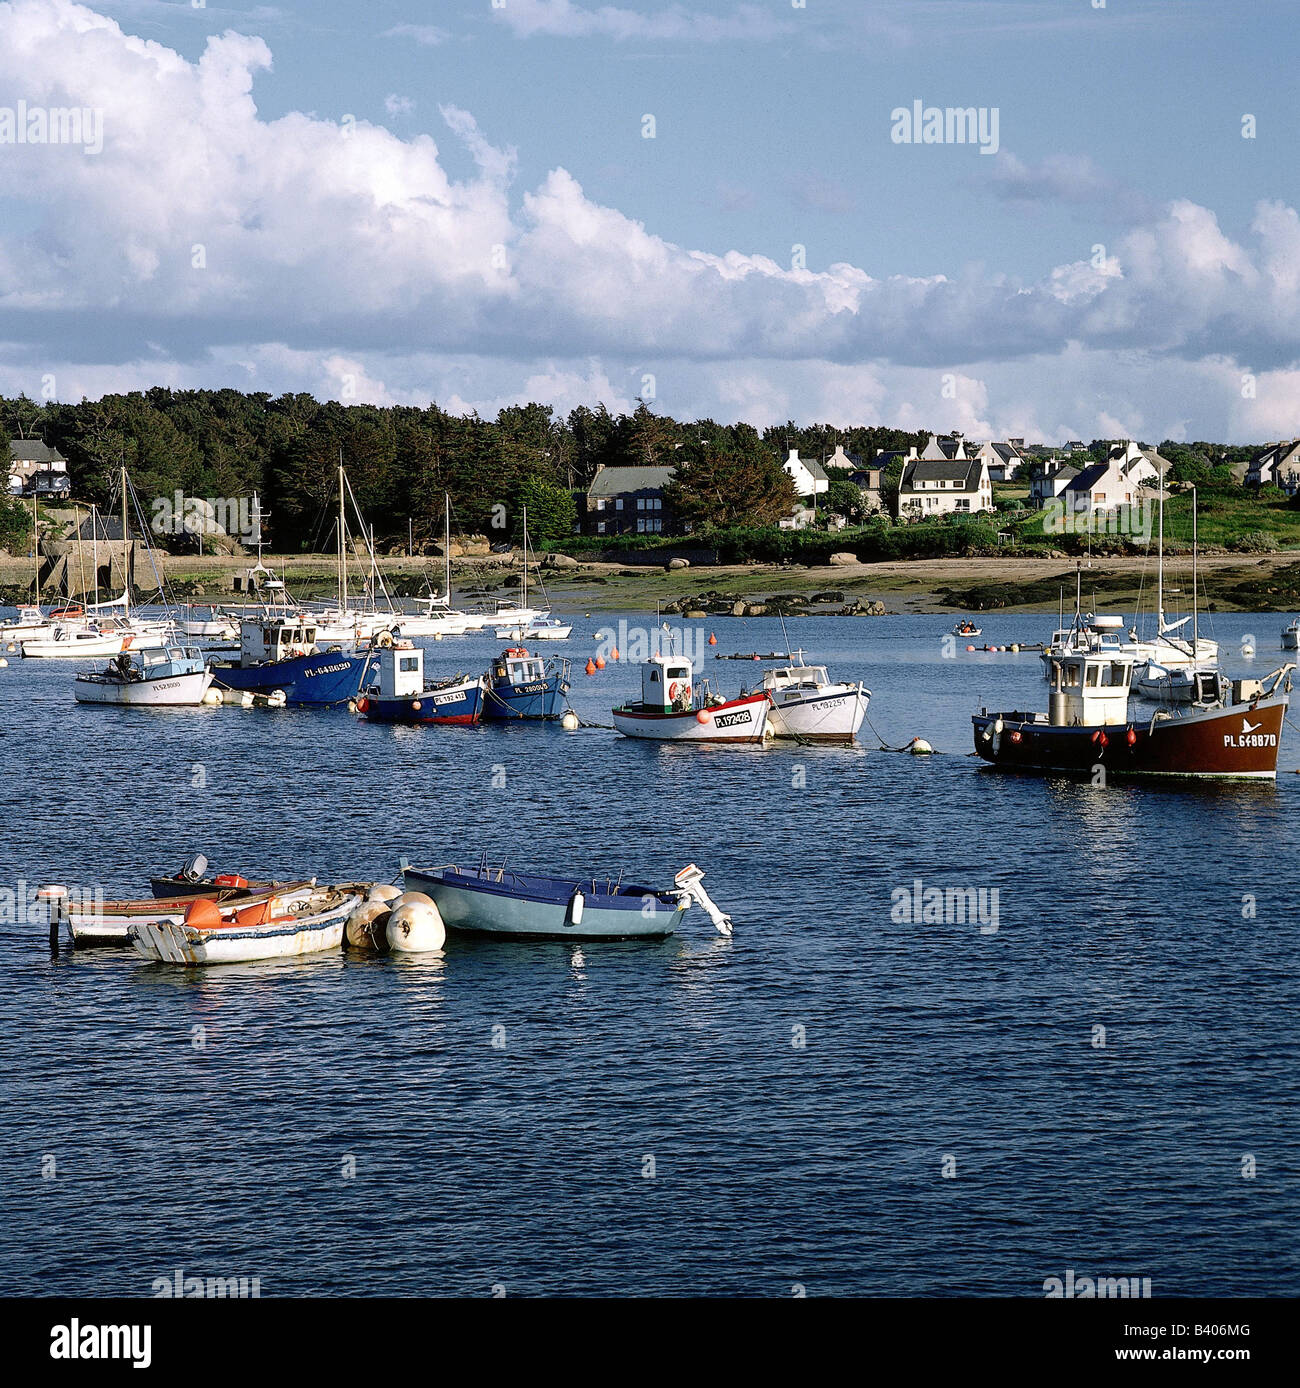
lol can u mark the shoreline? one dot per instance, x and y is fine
(1237, 582)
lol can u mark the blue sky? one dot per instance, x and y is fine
(943, 287)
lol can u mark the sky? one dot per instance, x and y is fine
(708, 205)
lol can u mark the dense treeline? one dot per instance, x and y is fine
(400, 459)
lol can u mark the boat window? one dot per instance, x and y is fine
(1093, 676)
(408, 662)
(654, 676)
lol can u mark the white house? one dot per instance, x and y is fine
(809, 476)
(942, 448)
(1004, 459)
(30, 456)
(1050, 479)
(1140, 466)
(932, 488)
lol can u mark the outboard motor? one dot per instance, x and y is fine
(194, 869)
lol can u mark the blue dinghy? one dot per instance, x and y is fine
(498, 901)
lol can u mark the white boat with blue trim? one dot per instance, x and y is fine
(153, 676)
(480, 900)
(807, 704)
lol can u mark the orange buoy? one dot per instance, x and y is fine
(1130, 737)
(591, 666)
(970, 648)
(713, 640)
(756, 657)
(202, 914)
(613, 655)
(600, 662)
(702, 717)
(363, 705)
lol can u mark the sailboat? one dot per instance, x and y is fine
(344, 622)
(437, 619)
(106, 628)
(524, 623)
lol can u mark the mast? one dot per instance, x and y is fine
(1160, 565)
(126, 553)
(36, 549)
(523, 601)
(446, 546)
(1195, 642)
(94, 547)
(81, 553)
(343, 568)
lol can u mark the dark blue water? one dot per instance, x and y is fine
(774, 1165)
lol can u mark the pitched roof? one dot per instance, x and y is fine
(815, 469)
(33, 451)
(615, 481)
(966, 471)
(1086, 480)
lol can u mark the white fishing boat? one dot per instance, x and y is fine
(672, 709)
(110, 922)
(273, 929)
(806, 703)
(153, 676)
(1291, 635)
(542, 629)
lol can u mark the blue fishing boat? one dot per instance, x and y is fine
(520, 685)
(482, 900)
(281, 653)
(400, 694)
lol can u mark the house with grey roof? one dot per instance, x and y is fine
(1278, 465)
(808, 475)
(1128, 474)
(1048, 479)
(949, 448)
(27, 457)
(1004, 458)
(628, 501)
(933, 488)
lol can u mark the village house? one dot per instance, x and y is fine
(942, 448)
(1049, 479)
(1128, 474)
(1004, 459)
(936, 488)
(1278, 465)
(808, 475)
(627, 501)
(27, 458)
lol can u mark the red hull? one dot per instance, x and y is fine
(1240, 742)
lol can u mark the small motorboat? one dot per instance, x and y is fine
(402, 696)
(967, 628)
(1291, 635)
(273, 928)
(673, 709)
(807, 704)
(102, 636)
(541, 629)
(499, 901)
(109, 922)
(208, 622)
(520, 685)
(193, 880)
(1204, 685)
(153, 676)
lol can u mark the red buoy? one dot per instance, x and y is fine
(1130, 737)
(613, 655)
(713, 640)
(600, 662)
(591, 666)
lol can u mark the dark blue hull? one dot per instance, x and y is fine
(320, 681)
(505, 701)
(431, 706)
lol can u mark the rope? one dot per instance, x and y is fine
(884, 746)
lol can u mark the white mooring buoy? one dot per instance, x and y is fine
(919, 747)
(570, 722)
(415, 927)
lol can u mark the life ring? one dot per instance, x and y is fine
(673, 690)
(384, 640)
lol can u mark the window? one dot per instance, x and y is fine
(408, 662)
(618, 504)
(600, 527)
(600, 503)
(654, 675)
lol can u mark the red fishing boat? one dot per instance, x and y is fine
(1088, 726)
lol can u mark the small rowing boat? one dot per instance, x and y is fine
(110, 922)
(271, 929)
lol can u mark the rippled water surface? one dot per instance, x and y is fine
(773, 1164)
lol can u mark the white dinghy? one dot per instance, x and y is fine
(273, 929)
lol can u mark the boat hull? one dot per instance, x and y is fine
(171, 942)
(170, 691)
(457, 704)
(737, 720)
(1236, 743)
(474, 903)
(111, 923)
(833, 715)
(504, 702)
(325, 679)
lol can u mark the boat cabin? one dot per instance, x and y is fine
(276, 639)
(401, 671)
(1088, 688)
(157, 663)
(666, 684)
(806, 679)
(516, 666)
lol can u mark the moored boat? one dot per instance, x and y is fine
(1291, 635)
(110, 922)
(672, 709)
(1088, 726)
(282, 653)
(400, 694)
(967, 628)
(806, 703)
(152, 676)
(270, 929)
(520, 685)
(499, 901)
